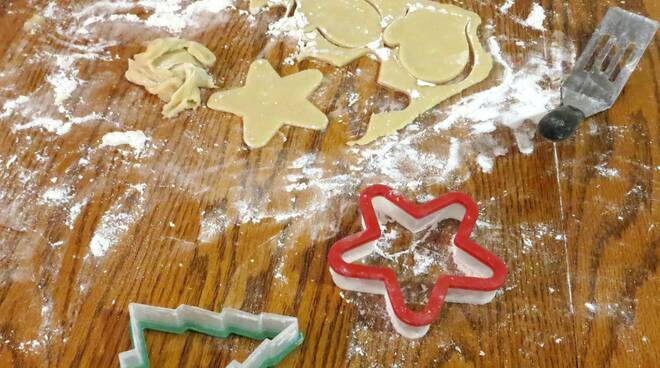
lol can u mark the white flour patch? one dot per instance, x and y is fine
(57, 195)
(523, 95)
(64, 81)
(135, 139)
(118, 220)
(49, 124)
(504, 9)
(454, 159)
(56, 126)
(213, 224)
(10, 106)
(293, 28)
(607, 172)
(536, 18)
(170, 15)
(289, 26)
(74, 212)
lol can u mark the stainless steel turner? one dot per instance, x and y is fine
(601, 72)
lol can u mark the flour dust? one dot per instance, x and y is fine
(73, 155)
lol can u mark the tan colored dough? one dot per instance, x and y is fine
(423, 98)
(257, 5)
(317, 47)
(390, 10)
(346, 23)
(175, 70)
(268, 102)
(430, 44)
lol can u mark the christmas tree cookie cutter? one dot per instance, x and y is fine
(280, 334)
(484, 272)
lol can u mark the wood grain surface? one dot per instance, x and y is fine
(578, 224)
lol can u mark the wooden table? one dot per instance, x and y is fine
(199, 219)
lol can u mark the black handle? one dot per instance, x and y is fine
(561, 123)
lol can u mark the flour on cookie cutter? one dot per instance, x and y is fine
(280, 334)
(484, 272)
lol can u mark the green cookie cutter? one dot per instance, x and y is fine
(280, 334)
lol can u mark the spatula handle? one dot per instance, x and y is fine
(561, 123)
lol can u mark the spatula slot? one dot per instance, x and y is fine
(609, 58)
(603, 42)
(623, 61)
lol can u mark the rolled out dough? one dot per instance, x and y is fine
(421, 44)
(267, 102)
(399, 75)
(346, 23)
(175, 70)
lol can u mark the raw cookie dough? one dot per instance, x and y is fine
(268, 102)
(423, 97)
(420, 44)
(390, 9)
(438, 54)
(318, 47)
(346, 23)
(175, 70)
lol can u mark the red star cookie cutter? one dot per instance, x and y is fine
(485, 272)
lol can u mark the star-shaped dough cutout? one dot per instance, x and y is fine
(484, 272)
(268, 102)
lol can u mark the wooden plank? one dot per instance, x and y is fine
(609, 185)
(206, 222)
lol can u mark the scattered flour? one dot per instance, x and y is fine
(10, 106)
(57, 195)
(536, 18)
(607, 172)
(213, 224)
(289, 26)
(65, 80)
(504, 9)
(118, 220)
(56, 126)
(523, 95)
(170, 15)
(74, 212)
(49, 124)
(135, 139)
(400, 161)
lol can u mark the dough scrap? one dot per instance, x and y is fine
(395, 75)
(267, 102)
(175, 70)
(423, 45)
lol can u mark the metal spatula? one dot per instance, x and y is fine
(601, 72)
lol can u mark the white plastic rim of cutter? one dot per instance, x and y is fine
(187, 318)
(469, 265)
